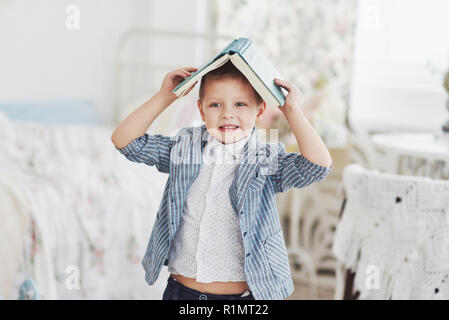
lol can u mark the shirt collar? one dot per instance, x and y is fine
(231, 151)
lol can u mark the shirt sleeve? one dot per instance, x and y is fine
(153, 150)
(295, 170)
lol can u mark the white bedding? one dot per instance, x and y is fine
(88, 206)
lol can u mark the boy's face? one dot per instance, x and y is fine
(229, 101)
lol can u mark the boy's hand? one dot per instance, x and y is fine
(293, 97)
(173, 78)
(310, 144)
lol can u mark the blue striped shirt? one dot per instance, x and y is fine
(265, 169)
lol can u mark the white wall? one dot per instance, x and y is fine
(41, 60)
(186, 16)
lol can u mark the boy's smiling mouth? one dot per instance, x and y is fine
(228, 128)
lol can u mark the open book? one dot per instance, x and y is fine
(251, 62)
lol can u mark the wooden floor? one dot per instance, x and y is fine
(301, 292)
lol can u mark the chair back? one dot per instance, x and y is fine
(394, 233)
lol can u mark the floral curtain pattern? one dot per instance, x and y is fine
(310, 43)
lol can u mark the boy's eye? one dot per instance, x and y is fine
(239, 104)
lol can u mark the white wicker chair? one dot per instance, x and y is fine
(393, 235)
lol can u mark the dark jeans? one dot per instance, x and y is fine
(177, 291)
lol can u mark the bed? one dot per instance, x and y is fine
(83, 211)
(76, 215)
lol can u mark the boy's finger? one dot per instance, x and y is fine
(184, 71)
(283, 83)
(279, 81)
(175, 74)
(181, 73)
(190, 69)
(187, 72)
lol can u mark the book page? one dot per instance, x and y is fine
(187, 83)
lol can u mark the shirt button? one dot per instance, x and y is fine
(244, 233)
(241, 212)
(248, 254)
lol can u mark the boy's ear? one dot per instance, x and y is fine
(261, 109)
(198, 102)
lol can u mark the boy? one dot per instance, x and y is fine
(217, 228)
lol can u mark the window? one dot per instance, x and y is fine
(401, 53)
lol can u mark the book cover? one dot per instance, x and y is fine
(264, 70)
(261, 77)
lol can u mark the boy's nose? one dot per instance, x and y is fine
(227, 112)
